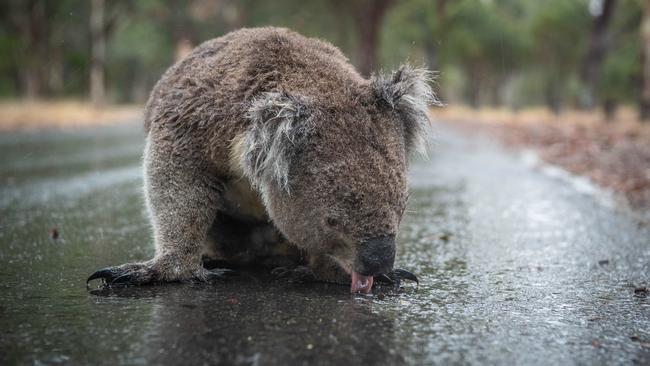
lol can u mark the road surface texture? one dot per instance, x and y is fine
(515, 267)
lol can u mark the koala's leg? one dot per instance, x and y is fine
(236, 242)
(183, 199)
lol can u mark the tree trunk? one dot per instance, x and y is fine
(598, 45)
(98, 52)
(55, 71)
(182, 29)
(553, 96)
(610, 106)
(430, 47)
(368, 16)
(34, 75)
(431, 53)
(497, 83)
(473, 86)
(644, 106)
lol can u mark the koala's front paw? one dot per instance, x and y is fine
(299, 274)
(395, 277)
(211, 275)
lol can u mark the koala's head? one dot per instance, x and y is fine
(333, 173)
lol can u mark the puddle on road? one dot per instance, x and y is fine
(508, 261)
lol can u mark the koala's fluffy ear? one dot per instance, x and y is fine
(408, 91)
(278, 124)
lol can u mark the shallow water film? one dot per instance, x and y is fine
(515, 267)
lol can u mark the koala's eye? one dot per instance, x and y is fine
(332, 221)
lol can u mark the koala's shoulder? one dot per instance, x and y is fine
(220, 76)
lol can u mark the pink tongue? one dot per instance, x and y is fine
(360, 283)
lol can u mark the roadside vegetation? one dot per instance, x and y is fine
(34, 115)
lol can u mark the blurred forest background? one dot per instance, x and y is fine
(577, 54)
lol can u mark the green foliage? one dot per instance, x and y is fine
(488, 51)
(559, 31)
(622, 67)
(8, 47)
(137, 50)
(481, 35)
(621, 73)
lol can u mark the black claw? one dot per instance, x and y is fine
(227, 271)
(384, 278)
(115, 276)
(212, 275)
(219, 274)
(123, 279)
(300, 274)
(107, 274)
(395, 277)
(406, 275)
(280, 272)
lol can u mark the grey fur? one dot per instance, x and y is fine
(408, 90)
(272, 137)
(268, 130)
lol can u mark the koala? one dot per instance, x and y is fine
(264, 145)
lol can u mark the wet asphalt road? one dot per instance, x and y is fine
(516, 267)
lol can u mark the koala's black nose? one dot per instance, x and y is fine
(376, 256)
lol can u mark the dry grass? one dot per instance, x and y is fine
(626, 119)
(20, 115)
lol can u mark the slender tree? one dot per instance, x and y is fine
(439, 19)
(30, 23)
(595, 55)
(367, 16)
(645, 57)
(98, 53)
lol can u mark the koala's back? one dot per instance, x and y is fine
(200, 102)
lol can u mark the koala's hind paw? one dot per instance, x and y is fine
(395, 277)
(130, 274)
(299, 274)
(212, 275)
